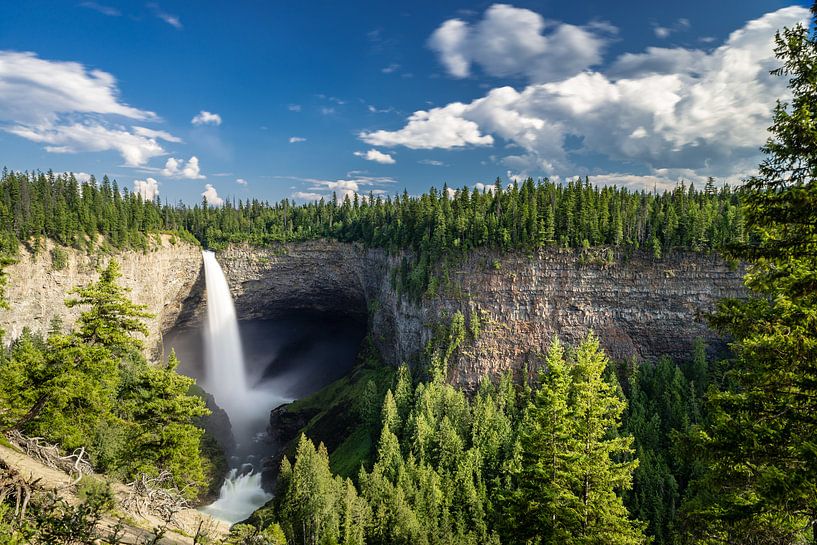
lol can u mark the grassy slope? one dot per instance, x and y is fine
(346, 413)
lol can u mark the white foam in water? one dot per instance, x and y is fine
(226, 379)
(240, 495)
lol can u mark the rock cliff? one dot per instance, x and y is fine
(159, 278)
(637, 306)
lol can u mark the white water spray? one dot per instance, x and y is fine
(225, 376)
(226, 379)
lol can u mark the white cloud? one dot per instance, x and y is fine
(100, 8)
(432, 162)
(664, 110)
(151, 133)
(147, 188)
(172, 20)
(664, 32)
(69, 108)
(81, 177)
(294, 107)
(307, 196)
(38, 91)
(356, 185)
(211, 196)
(296, 139)
(206, 118)
(510, 41)
(325, 110)
(177, 168)
(390, 68)
(376, 156)
(136, 150)
(436, 128)
(241, 181)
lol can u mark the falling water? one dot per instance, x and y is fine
(225, 376)
(226, 379)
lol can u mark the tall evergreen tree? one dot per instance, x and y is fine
(761, 442)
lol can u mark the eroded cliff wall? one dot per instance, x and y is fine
(159, 278)
(637, 306)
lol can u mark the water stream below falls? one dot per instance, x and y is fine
(225, 376)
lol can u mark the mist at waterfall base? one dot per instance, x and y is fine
(253, 366)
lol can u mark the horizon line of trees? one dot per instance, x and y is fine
(527, 215)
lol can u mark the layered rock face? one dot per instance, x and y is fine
(159, 278)
(636, 305)
(639, 307)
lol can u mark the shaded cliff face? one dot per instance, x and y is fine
(637, 306)
(159, 278)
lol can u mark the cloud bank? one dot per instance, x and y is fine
(664, 113)
(71, 108)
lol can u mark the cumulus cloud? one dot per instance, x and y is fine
(296, 139)
(177, 168)
(136, 150)
(665, 32)
(206, 118)
(308, 196)
(241, 181)
(444, 128)
(148, 188)
(661, 111)
(317, 189)
(511, 41)
(376, 156)
(72, 108)
(294, 107)
(211, 196)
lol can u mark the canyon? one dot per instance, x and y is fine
(638, 306)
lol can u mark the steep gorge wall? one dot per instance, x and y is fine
(636, 305)
(159, 278)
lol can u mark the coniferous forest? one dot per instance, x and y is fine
(587, 452)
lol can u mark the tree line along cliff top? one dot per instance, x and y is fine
(522, 216)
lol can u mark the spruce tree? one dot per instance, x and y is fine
(760, 442)
(601, 464)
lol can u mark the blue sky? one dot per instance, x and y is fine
(300, 99)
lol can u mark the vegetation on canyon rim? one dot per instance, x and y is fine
(589, 453)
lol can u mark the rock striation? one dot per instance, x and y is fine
(159, 278)
(639, 307)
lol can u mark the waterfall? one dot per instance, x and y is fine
(225, 375)
(226, 379)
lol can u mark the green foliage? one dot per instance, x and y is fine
(759, 441)
(59, 259)
(431, 231)
(112, 318)
(95, 489)
(570, 466)
(452, 470)
(93, 388)
(246, 534)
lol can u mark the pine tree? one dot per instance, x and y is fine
(760, 442)
(112, 318)
(538, 473)
(599, 470)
